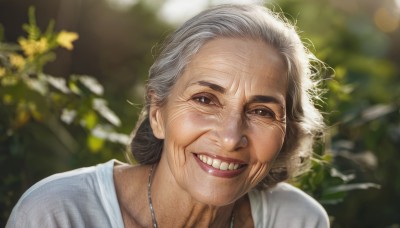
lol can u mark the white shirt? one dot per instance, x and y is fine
(86, 198)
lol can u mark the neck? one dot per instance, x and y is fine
(166, 192)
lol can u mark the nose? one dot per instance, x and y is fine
(232, 132)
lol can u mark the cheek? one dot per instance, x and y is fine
(182, 131)
(268, 142)
(185, 127)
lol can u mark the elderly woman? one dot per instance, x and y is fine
(228, 118)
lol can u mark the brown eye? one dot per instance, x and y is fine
(203, 100)
(263, 112)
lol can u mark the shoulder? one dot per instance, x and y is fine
(64, 198)
(287, 206)
(287, 196)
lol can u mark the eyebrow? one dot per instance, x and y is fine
(265, 99)
(212, 86)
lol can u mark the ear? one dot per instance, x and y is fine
(156, 120)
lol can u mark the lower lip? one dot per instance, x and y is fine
(217, 172)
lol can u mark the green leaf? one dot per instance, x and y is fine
(92, 84)
(100, 105)
(4, 47)
(68, 116)
(85, 85)
(90, 120)
(50, 29)
(72, 84)
(37, 85)
(95, 143)
(9, 81)
(58, 83)
(32, 29)
(350, 187)
(107, 133)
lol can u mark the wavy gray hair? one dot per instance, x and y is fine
(256, 22)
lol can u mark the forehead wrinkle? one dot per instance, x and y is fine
(238, 66)
(210, 85)
(234, 85)
(243, 70)
(243, 77)
(204, 69)
(235, 66)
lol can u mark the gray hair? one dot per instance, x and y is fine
(304, 121)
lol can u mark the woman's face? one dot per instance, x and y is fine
(224, 121)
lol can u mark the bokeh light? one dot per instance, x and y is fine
(387, 20)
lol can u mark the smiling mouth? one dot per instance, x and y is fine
(218, 164)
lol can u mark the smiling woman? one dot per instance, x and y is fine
(223, 119)
(228, 117)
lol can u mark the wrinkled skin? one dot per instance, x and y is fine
(230, 103)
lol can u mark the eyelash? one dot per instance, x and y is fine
(205, 99)
(209, 99)
(268, 113)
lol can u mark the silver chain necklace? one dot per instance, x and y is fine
(153, 215)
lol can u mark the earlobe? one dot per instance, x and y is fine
(156, 121)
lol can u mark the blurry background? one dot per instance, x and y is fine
(359, 39)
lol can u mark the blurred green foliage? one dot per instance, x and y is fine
(48, 118)
(362, 106)
(51, 124)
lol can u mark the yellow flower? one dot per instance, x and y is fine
(33, 47)
(42, 45)
(65, 39)
(26, 46)
(2, 72)
(17, 60)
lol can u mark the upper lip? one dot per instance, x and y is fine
(223, 159)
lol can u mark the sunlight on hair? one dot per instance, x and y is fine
(177, 11)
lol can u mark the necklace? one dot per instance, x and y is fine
(153, 215)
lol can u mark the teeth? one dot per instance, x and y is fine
(224, 166)
(218, 164)
(209, 161)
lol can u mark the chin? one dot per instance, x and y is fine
(212, 197)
